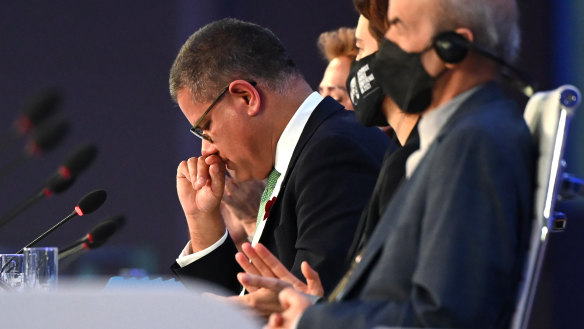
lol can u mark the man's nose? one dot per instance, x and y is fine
(208, 148)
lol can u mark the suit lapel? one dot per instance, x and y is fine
(327, 107)
(481, 96)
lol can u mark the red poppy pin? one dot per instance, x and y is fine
(268, 206)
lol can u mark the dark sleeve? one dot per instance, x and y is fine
(468, 257)
(333, 187)
(218, 267)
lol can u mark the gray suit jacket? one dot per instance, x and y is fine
(450, 247)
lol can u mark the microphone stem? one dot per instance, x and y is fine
(21, 207)
(63, 252)
(70, 256)
(42, 236)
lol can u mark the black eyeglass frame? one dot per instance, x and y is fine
(196, 130)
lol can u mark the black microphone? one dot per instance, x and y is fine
(47, 136)
(44, 139)
(75, 163)
(78, 160)
(88, 204)
(56, 184)
(95, 238)
(41, 107)
(44, 105)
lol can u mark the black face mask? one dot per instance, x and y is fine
(365, 93)
(402, 77)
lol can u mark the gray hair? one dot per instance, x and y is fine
(226, 50)
(494, 23)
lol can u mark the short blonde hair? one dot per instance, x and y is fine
(336, 43)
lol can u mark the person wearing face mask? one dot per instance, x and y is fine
(374, 108)
(366, 96)
(338, 48)
(449, 250)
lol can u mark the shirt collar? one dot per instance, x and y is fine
(291, 134)
(433, 122)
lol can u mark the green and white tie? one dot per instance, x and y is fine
(270, 185)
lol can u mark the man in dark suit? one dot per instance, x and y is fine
(450, 247)
(258, 117)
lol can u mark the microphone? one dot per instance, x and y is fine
(39, 109)
(42, 106)
(44, 139)
(96, 237)
(47, 136)
(88, 204)
(75, 163)
(56, 184)
(78, 160)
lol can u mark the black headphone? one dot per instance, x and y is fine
(452, 48)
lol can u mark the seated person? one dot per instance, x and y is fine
(338, 48)
(259, 118)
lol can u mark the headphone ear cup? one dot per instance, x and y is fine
(451, 47)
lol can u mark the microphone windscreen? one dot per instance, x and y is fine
(80, 159)
(49, 135)
(103, 231)
(40, 108)
(58, 184)
(90, 202)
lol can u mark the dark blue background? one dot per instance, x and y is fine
(111, 61)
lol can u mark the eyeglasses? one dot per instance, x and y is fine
(198, 131)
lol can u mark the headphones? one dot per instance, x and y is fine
(452, 48)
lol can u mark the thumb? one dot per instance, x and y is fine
(312, 280)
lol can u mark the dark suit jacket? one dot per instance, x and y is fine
(393, 171)
(449, 249)
(328, 182)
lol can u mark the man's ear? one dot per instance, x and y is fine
(246, 95)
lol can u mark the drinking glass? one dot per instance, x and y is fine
(12, 271)
(41, 268)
